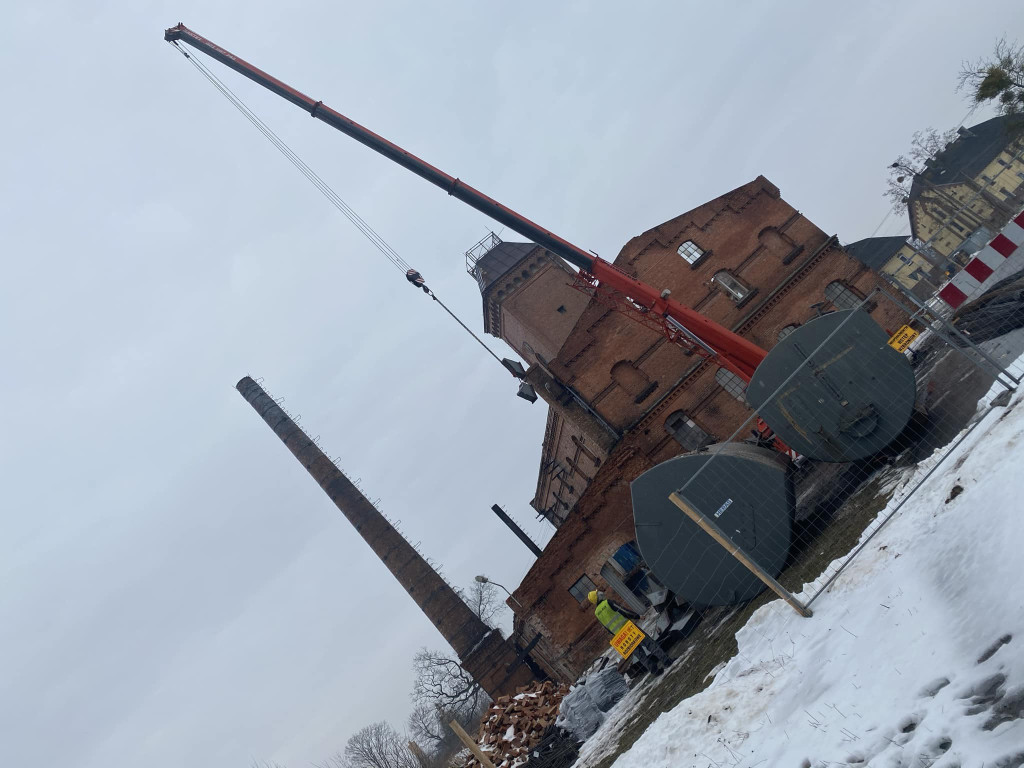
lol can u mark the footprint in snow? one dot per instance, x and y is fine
(936, 685)
(909, 724)
(938, 747)
(1010, 761)
(984, 693)
(1007, 708)
(991, 650)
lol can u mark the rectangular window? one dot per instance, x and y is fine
(583, 587)
(730, 285)
(732, 384)
(690, 252)
(686, 432)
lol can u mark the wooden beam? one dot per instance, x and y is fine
(733, 549)
(418, 752)
(471, 745)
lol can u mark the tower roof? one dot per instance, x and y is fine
(496, 262)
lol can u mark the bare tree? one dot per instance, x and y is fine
(998, 79)
(429, 725)
(442, 682)
(483, 601)
(375, 746)
(443, 690)
(924, 146)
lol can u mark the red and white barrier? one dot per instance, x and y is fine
(1000, 258)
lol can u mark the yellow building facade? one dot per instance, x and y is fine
(896, 259)
(970, 189)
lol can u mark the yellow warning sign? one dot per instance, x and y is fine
(627, 639)
(902, 338)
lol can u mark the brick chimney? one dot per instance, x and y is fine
(482, 651)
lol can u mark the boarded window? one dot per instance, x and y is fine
(690, 252)
(583, 587)
(774, 242)
(730, 285)
(629, 377)
(632, 380)
(686, 432)
(732, 384)
(842, 296)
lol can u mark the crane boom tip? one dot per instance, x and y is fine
(174, 33)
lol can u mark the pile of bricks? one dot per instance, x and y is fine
(515, 724)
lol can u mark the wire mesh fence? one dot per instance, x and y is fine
(871, 411)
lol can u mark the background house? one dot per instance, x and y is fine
(896, 258)
(976, 184)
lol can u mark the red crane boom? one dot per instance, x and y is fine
(679, 323)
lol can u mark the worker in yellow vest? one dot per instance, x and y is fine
(614, 617)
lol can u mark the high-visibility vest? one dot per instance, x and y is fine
(612, 619)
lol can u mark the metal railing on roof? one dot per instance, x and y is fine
(478, 251)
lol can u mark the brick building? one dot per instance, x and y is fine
(622, 399)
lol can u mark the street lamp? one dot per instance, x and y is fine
(484, 580)
(530, 647)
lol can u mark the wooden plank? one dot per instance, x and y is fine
(418, 752)
(471, 745)
(722, 538)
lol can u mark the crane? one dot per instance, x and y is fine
(845, 412)
(653, 308)
(834, 409)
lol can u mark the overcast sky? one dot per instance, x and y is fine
(176, 590)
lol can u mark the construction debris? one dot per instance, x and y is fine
(515, 724)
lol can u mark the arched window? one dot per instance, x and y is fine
(730, 285)
(630, 378)
(786, 330)
(690, 252)
(685, 432)
(773, 241)
(842, 296)
(732, 384)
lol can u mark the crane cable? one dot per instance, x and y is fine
(414, 277)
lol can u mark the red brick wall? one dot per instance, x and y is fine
(613, 362)
(527, 300)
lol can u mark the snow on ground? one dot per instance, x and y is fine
(915, 657)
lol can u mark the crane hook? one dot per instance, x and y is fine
(417, 280)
